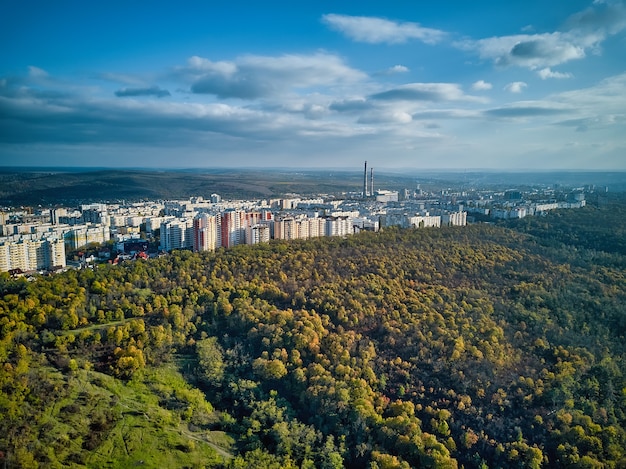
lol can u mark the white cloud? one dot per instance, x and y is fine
(311, 105)
(37, 76)
(395, 70)
(391, 117)
(447, 114)
(516, 87)
(546, 73)
(481, 85)
(36, 72)
(81, 119)
(351, 105)
(594, 123)
(252, 77)
(379, 30)
(398, 69)
(548, 49)
(526, 109)
(605, 98)
(597, 107)
(35, 116)
(202, 65)
(600, 20)
(532, 51)
(585, 32)
(433, 92)
(302, 70)
(307, 107)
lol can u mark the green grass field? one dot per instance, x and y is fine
(146, 422)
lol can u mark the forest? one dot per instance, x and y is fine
(486, 346)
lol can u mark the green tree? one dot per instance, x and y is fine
(210, 361)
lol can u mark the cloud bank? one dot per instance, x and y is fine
(252, 77)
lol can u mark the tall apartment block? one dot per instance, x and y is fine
(205, 232)
(176, 234)
(32, 255)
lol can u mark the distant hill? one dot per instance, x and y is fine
(46, 187)
(70, 186)
(33, 188)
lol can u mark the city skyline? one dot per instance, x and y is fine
(452, 85)
(39, 239)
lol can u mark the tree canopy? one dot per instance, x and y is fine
(480, 346)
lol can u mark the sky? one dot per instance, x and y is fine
(406, 85)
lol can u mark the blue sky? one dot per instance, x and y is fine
(520, 85)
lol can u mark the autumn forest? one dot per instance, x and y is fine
(481, 346)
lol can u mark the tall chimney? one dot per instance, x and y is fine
(365, 181)
(372, 182)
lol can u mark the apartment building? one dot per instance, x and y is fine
(176, 234)
(79, 236)
(205, 233)
(30, 255)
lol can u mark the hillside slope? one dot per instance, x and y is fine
(478, 346)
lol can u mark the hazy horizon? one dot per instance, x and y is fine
(378, 169)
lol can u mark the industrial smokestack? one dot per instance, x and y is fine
(372, 182)
(365, 181)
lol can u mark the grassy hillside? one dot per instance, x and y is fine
(479, 346)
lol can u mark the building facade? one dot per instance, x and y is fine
(205, 232)
(28, 255)
(176, 234)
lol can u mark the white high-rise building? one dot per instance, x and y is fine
(176, 234)
(455, 219)
(317, 227)
(56, 252)
(28, 255)
(304, 231)
(259, 233)
(339, 226)
(5, 258)
(425, 221)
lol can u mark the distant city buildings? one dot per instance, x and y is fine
(39, 241)
(521, 209)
